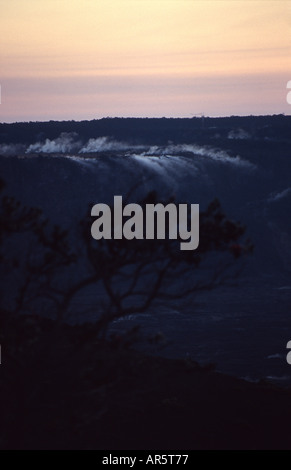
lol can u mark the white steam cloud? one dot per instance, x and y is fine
(207, 152)
(104, 144)
(8, 150)
(69, 143)
(240, 134)
(281, 195)
(65, 143)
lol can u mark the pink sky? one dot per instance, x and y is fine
(86, 59)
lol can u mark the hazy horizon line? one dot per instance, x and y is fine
(150, 117)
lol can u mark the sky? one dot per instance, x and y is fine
(88, 59)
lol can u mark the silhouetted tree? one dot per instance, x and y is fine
(46, 275)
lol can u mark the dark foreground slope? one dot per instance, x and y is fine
(66, 391)
(60, 388)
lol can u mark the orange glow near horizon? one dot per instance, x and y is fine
(80, 59)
